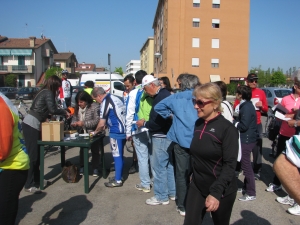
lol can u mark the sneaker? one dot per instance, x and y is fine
(273, 187)
(246, 197)
(295, 210)
(113, 183)
(257, 176)
(241, 190)
(285, 200)
(33, 190)
(142, 188)
(173, 198)
(81, 171)
(154, 201)
(95, 173)
(182, 213)
(113, 178)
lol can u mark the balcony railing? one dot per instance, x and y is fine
(19, 68)
(2, 67)
(16, 69)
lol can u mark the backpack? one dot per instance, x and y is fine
(69, 173)
(273, 128)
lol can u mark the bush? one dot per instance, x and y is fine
(11, 80)
(53, 71)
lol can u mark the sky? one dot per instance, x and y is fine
(92, 29)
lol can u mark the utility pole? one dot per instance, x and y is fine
(109, 74)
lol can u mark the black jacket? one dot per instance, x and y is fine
(44, 104)
(157, 124)
(214, 151)
(247, 123)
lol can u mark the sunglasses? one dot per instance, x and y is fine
(200, 103)
(253, 80)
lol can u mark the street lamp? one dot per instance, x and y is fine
(157, 56)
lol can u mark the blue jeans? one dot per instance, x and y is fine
(142, 146)
(162, 164)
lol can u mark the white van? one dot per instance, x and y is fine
(102, 80)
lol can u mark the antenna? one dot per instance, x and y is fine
(42, 33)
(26, 26)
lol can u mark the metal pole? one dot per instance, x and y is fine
(110, 89)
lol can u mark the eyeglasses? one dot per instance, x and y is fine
(253, 80)
(200, 103)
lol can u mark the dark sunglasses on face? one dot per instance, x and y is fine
(200, 103)
(253, 80)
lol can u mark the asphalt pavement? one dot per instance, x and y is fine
(63, 203)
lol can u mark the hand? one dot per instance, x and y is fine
(129, 138)
(291, 123)
(211, 203)
(62, 100)
(68, 115)
(140, 123)
(74, 125)
(80, 123)
(289, 116)
(258, 104)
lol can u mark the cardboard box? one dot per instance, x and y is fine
(53, 131)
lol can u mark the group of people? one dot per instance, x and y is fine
(188, 146)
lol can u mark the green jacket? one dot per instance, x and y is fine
(145, 107)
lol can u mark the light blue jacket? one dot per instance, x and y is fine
(181, 107)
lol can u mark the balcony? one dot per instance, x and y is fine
(16, 69)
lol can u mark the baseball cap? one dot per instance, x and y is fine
(148, 79)
(252, 76)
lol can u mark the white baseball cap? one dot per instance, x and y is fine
(148, 79)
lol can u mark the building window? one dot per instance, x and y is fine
(215, 43)
(196, 3)
(216, 3)
(195, 42)
(196, 22)
(195, 62)
(215, 23)
(215, 63)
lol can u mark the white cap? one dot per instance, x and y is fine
(148, 79)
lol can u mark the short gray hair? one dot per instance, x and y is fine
(98, 91)
(188, 81)
(155, 82)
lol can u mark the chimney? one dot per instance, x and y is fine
(32, 42)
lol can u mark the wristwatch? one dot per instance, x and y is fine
(295, 124)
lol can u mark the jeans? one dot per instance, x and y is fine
(182, 163)
(257, 151)
(162, 164)
(249, 181)
(142, 145)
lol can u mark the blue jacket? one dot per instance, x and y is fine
(181, 107)
(247, 123)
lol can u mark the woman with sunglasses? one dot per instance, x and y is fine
(214, 151)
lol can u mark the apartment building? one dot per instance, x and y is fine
(66, 61)
(147, 54)
(132, 67)
(208, 38)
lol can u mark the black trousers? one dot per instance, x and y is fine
(68, 102)
(281, 145)
(31, 137)
(96, 148)
(11, 184)
(257, 151)
(195, 209)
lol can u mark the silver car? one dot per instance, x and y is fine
(274, 95)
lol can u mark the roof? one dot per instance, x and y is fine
(62, 55)
(85, 67)
(6, 42)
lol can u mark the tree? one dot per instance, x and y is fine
(53, 71)
(278, 78)
(119, 70)
(11, 80)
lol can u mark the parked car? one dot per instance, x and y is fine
(27, 93)
(76, 89)
(9, 92)
(274, 95)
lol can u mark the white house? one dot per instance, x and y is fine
(132, 67)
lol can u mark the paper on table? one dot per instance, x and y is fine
(254, 101)
(281, 116)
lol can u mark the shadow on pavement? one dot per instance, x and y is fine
(251, 218)
(73, 211)
(25, 204)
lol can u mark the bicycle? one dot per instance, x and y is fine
(270, 118)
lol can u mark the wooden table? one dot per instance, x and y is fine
(84, 144)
